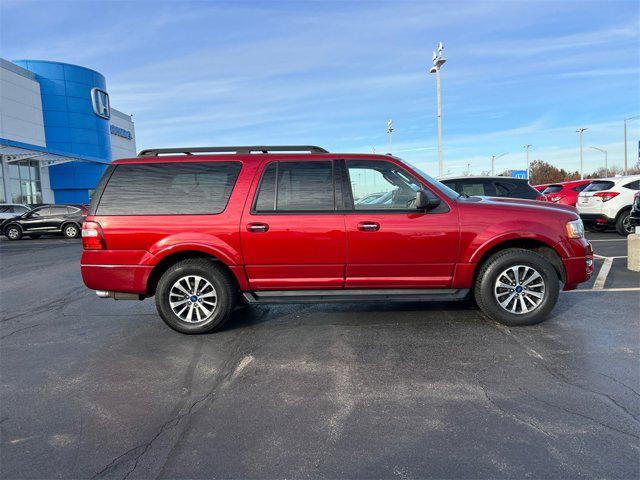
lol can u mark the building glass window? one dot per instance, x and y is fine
(24, 179)
(3, 199)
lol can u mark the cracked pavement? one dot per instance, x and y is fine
(99, 389)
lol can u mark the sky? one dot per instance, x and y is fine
(332, 73)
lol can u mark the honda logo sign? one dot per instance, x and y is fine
(100, 103)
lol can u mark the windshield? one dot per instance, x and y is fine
(452, 194)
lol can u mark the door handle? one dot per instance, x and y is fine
(257, 227)
(368, 226)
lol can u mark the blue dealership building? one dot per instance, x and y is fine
(58, 132)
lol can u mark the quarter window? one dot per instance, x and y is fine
(296, 187)
(169, 188)
(380, 185)
(633, 185)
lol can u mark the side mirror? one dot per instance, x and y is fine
(425, 200)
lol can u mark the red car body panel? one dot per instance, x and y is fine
(566, 196)
(328, 250)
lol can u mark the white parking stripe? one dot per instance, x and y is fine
(587, 290)
(602, 275)
(611, 240)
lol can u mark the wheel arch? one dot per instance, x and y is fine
(536, 245)
(171, 259)
(13, 224)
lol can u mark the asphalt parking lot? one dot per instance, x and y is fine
(95, 388)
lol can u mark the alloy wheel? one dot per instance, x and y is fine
(519, 289)
(193, 299)
(13, 233)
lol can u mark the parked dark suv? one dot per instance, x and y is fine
(494, 187)
(46, 219)
(204, 228)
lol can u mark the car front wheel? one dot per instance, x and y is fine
(13, 232)
(195, 296)
(517, 287)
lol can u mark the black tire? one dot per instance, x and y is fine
(70, 230)
(225, 295)
(485, 287)
(623, 225)
(13, 232)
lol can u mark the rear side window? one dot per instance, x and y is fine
(552, 189)
(57, 211)
(580, 188)
(599, 185)
(296, 187)
(476, 188)
(169, 189)
(633, 185)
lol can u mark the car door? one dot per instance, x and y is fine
(56, 217)
(292, 234)
(35, 220)
(390, 244)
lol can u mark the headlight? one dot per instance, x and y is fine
(575, 229)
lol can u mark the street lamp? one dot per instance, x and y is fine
(438, 61)
(581, 131)
(527, 147)
(625, 140)
(606, 163)
(390, 131)
(493, 162)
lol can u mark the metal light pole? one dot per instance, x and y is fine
(625, 140)
(390, 132)
(438, 61)
(580, 131)
(606, 163)
(527, 147)
(493, 162)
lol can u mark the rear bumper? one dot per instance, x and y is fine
(116, 278)
(596, 218)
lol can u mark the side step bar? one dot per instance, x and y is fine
(324, 296)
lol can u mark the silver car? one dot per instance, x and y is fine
(10, 210)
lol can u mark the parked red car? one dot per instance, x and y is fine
(205, 228)
(540, 188)
(565, 193)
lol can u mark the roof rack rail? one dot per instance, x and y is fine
(155, 152)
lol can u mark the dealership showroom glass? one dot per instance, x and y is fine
(58, 132)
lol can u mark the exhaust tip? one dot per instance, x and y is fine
(103, 293)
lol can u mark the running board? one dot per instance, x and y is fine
(373, 295)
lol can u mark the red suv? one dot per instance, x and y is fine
(565, 193)
(205, 228)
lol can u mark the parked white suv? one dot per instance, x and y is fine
(607, 202)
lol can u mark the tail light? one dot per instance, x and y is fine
(92, 238)
(556, 198)
(606, 196)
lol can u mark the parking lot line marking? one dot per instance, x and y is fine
(595, 255)
(610, 240)
(592, 290)
(602, 275)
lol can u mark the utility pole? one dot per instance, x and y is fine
(625, 140)
(493, 162)
(527, 147)
(581, 131)
(438, 61)
(468, 169)
(606, 163)
(390, 132)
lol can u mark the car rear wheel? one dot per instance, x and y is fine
(517, 287)
(13, 232)
(623, 224)
(70, 230)
(195, 296)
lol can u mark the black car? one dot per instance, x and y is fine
(493, 187)
(65, 219)
(634, 218)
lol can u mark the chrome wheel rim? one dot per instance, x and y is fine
(519, 289)
(626, 224)
(71, 231)
(13, 233)
(193, 299)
